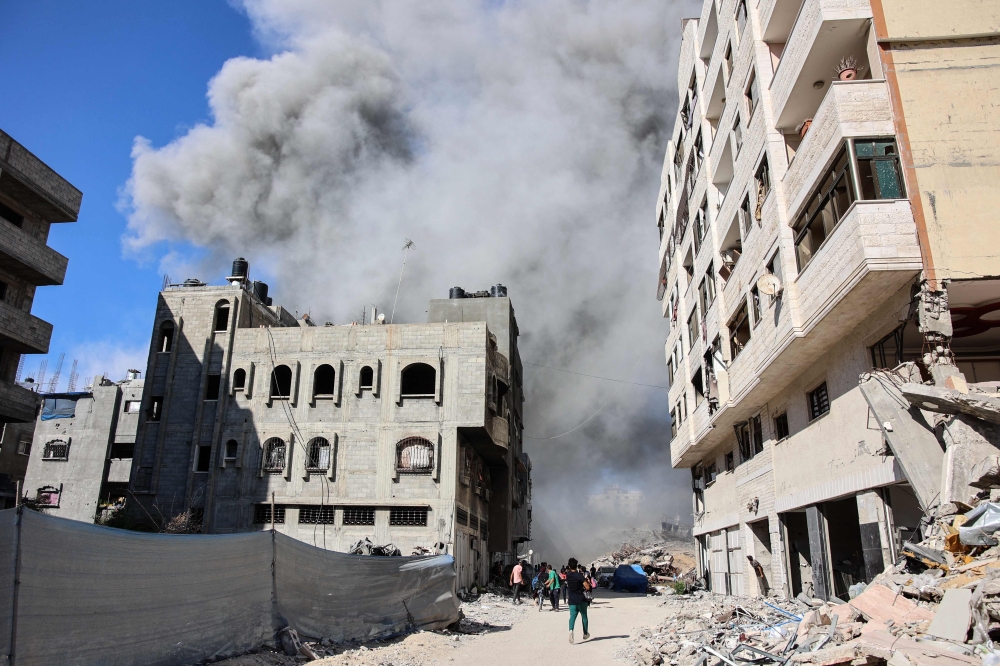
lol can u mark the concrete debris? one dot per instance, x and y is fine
(366, 547)
(943, 400)
(662, 559)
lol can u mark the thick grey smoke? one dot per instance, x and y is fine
(518, 143)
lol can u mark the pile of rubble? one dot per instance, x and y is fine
(658, 557)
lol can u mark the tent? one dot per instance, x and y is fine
(629, 578)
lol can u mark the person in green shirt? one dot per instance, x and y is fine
(552, 586)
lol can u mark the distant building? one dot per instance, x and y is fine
(32, 197)
(615, 500)
(81, 454)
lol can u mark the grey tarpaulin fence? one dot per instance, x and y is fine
(95, 595)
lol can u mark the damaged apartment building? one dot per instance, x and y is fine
(826, 212)
(401, 433)
(32, 198)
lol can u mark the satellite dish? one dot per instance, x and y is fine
(769, 284)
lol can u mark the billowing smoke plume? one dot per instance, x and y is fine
(518, 143)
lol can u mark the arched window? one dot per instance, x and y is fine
(166, 342)
(281, 382)
(324, 380)
(232, 448)
(414, 455)
(274, 455)
(418, 380)
(239, 380)
(367, 377)
(221, 316)
(319, 454)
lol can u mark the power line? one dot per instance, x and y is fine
(583, 374)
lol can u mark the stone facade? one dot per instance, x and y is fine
(405, 433)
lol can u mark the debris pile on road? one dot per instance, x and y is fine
(658, 556)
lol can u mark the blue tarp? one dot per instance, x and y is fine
(629, 578)
(60, 406)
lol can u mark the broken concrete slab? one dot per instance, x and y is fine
(953, 616)
(879, 604)
(970, 442)
(952, 401)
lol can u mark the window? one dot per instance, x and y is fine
(3, 290)
(700, 225)
(416, 516)
(739, 331)
(762, 180)
(418, 380)
(781, 426)
(755, 304)
(670, 369)
(204, 462)
(698, 152)
(281, 382)
(741, 16)
(879, 170)
(737, 134)
(462, 516)
(690, 106)
(706, 290)
(317, 515)
(221, 318)
(744, 216)
(212, 387)
(698, 384)
(414, 455)
(359, 515)
(11, 215)
(48, 496)
(730, 461)
(824, 209)
(122, 450)
(232, 449)
(24, 446)
(673, 423)
(367, 379)
(240, 380)
(728, 61)
(750, 438)
(155, 410)
(166, 342)
(774, 266)
(751, 95)
(679, 158)
(319, 454)
(58, 408)
(57, 449)
(324, 380)
(132, 406)
(274, 455)
(711, 473)
(262, 514)
(819, 402)
(693, 328)
(888, 352)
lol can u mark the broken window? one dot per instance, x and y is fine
(11, 215)
(679, 158)
(755, 304)
(730, 461)
(711, 472)
(673, 423)
(204, 461)
(155, 410)
(693, 328)
(698, 384)
(698, 152)
(57, 449)
(756, 435)
(317, 515)
(281, 382)
(731, 249)
(661, 220)
(690, 106)
(231, 450)
(359, 515)
(670, 369)
(367, 380)
(706, 290)
(324, 381)
(418, 380)
(746, 221)
(749, 437)
(700, 225)
(132, 406)
(762, 181)
(262, 514)
(737, 135)
(414, 455)
(878, 169)
(781, 426)
(819, 402)
(221, 317)
(739, 331)
(409, 515)
(319, 454)
(48, 496)
(751, 94)
(212, 387)
(166, 341)
(240, 380)
(741, 16)
(274, 455)
(888, 352)
(824, 209)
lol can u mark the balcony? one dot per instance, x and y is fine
(690, 435)
(824, 32)
(17, 404)
(23, 332)
(849, 109)
(119, 470)
(30, 259)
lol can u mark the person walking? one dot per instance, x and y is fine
(578, 583)
(553, 585)
(517, 580)
(562, 584)
(539, 583)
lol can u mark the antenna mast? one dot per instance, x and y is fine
(406, 248)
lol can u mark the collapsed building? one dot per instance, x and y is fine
(826, 211)
(401, 433)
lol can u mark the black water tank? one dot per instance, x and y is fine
(240, 268)
(260, 290)
(500, 291)
(456, 292)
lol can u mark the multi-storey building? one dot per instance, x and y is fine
(81, 454)
(403, 433)
(32, 197)
(829, 172)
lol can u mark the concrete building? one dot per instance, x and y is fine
(405, 433)
(32, 196)
(614, 500)
(81, 454)
(827, 185)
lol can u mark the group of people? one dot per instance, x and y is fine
(573, 583)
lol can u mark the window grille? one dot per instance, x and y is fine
(819, 401)
(274, 455)
(415, 455)
(463, 517)
(482, 528)
(408, 516)
(262, 514)
(359, 515)
(57, 449)
(319, 454)
(48, 496)
(317, 515)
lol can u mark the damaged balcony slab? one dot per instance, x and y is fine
(952, 401)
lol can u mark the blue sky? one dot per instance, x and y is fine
(81, 81)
